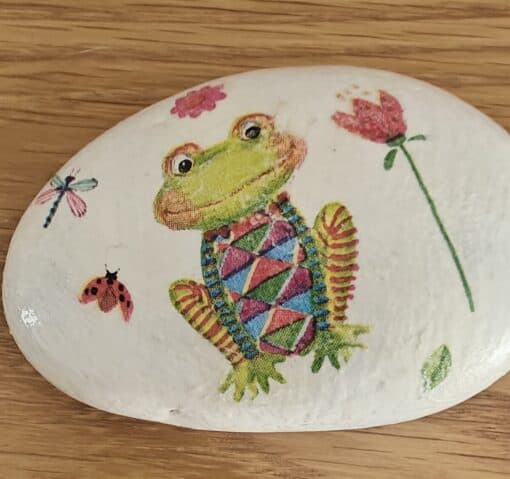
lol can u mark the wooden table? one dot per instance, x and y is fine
(70, 69)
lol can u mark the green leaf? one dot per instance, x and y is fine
(436, 367)
(417, 137)
(390, 158)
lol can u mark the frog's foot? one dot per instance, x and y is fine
(339, 338)
(192, 300)
(252, 374)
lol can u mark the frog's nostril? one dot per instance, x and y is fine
(292, 150)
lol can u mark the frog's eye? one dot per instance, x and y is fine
(182, 164)
(250, 130)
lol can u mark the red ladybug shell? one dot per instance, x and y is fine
(108, 291)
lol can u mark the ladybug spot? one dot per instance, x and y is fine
(109, 281)
(121, 287)
(128, 304)
(121, 298)
(93, 290)
(98, 281)
(86, 291)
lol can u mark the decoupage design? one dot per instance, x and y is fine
(109, 292)
(195, 102)
(272, 286)
(66, 187)
(436, 367)
(385, 123)
(282, 191)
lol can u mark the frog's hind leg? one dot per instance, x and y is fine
(193, 302)
(336, 239)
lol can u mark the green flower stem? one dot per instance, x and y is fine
(433, 209)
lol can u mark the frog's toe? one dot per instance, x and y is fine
(263, 376)
(347, 334)
(252, 374)
(341, 339)
(239, 378)
(254, 390)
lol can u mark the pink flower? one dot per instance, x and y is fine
(379, 123)
(384, 123)
(197, 101)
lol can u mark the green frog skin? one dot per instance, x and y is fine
(272, 286)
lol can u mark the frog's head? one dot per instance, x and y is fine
(205, 189)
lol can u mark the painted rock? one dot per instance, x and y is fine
(291, 249)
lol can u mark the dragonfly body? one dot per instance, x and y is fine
(61, 192)
(66, 187)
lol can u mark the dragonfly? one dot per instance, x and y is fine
(66, 187)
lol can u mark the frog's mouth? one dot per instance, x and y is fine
(175, 210)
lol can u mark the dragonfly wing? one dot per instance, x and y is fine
(57, 182)
(76, 204)
(46, 195)
(84, 185)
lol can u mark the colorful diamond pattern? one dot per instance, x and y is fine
(261, 270)
(234, 260)
(267, 270)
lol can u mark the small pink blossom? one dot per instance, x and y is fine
(385, 123)
(379, 123)
(197, 101)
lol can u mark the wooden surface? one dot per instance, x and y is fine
(71, 69)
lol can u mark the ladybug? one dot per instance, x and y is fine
(108, 291)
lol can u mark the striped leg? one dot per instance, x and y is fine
(194, 303)
(336, 236)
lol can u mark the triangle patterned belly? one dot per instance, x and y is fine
(263, 272)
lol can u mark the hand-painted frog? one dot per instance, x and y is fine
(273, 287)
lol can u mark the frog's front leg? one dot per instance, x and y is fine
(335, 235)
(193, 302)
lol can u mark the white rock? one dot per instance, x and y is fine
(425, 351)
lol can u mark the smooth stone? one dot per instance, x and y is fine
(427, 326)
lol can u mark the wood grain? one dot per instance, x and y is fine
(69, 70)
